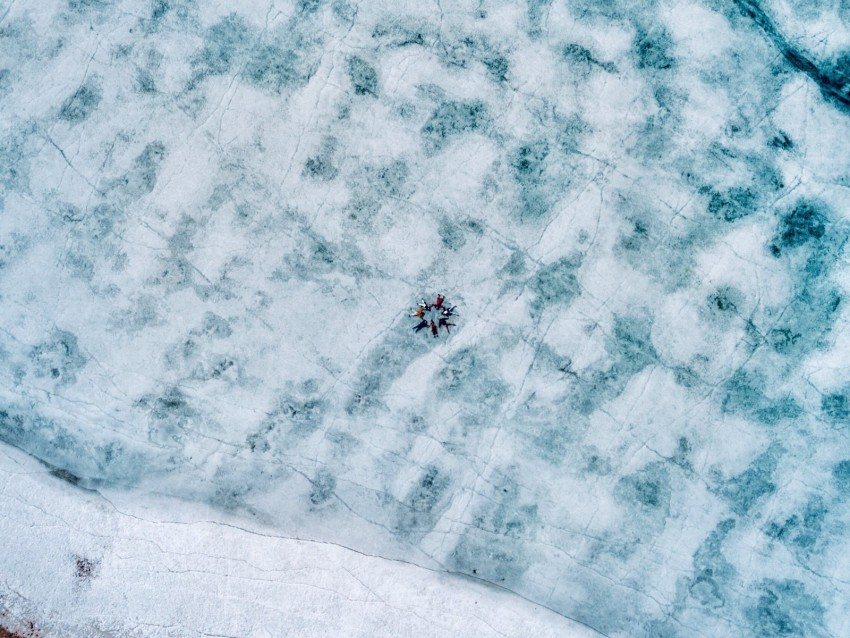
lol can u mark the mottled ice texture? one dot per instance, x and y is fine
(215, 218)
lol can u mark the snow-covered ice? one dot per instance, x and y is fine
(215, 219)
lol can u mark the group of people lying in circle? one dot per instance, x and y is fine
(434, 326)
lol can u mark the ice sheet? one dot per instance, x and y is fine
(215, 220)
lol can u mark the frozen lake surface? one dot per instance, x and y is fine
(216, 417)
